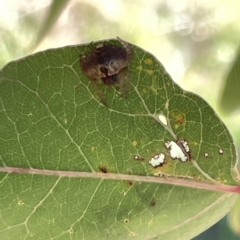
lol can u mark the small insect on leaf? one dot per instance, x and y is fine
(108, 63)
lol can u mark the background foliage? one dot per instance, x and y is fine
(197, 42)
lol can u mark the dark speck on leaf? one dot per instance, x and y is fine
(103, 169)
(153, 203)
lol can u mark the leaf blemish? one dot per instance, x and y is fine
(123, 193)
(148, 61)
(149, 72)
(145, 90)
(150, 223)
(134, 143)
(20, 202)
(138, 158)
(132, 234)
(220, 151)
(179, 118)
(188, 178)
(139, 68)
(130, 183)
(103, 169)
(126, 220)
(152, 203)
(157, 160)
(206, 155)
(179, 150)
(162, 118)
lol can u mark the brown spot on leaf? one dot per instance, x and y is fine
(126, 220)
(103, 169)
(179, 118)
(153, 202)
(130, 183)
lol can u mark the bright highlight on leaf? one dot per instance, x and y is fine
(72, 167)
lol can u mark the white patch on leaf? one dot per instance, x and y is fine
(179, 150)
(157, 160)
(220, 151)
(162, 119)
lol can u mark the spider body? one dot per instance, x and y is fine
(106, 61)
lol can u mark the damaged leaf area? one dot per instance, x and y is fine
(60, 119)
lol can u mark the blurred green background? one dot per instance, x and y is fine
(196, 40)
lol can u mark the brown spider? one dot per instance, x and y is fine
(108, 63)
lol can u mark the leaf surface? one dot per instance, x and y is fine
(53, 121)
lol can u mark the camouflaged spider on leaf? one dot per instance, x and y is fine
(106, 62)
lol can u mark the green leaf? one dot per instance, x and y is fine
(234, 217)
(55, 10)
(57, 141)
(230, 101)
